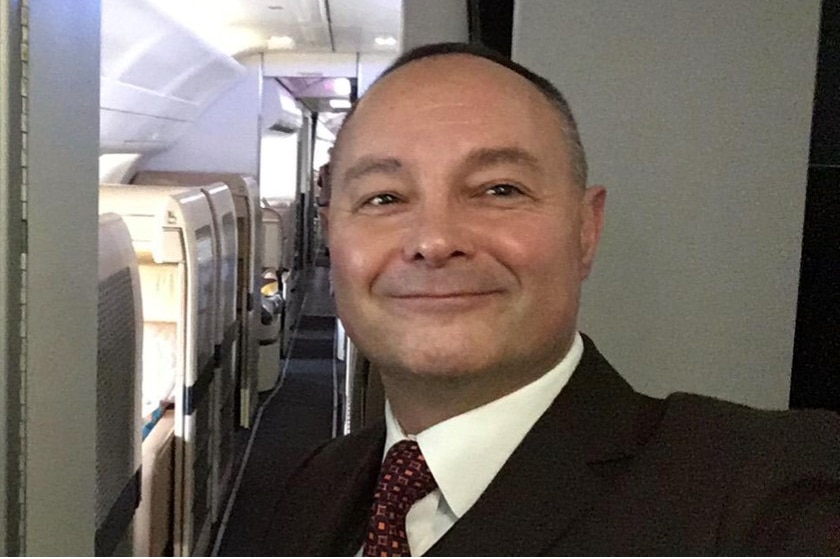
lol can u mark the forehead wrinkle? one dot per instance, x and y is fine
(444, 104)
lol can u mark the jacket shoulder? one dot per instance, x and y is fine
(777, 472)
(800, 439)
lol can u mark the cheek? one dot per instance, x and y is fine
(355, 260)
(545, 254)
(349, 267)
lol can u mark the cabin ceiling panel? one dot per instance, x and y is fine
(279, 64)
(357, 24)
(243, 26)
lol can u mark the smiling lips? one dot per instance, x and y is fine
(443, 302)
(444, 295)
(456, 289)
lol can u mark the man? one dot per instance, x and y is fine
(461, 230)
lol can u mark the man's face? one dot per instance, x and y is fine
(458, 239)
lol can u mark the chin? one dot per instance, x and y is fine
(442, 362)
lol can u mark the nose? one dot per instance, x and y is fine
(437, 234)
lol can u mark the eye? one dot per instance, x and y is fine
(381, 200)
(504, 190)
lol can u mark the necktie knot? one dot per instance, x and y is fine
(404, 479)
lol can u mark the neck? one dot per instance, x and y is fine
(421, 401)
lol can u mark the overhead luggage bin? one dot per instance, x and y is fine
(172, 234)
(225, 419)
(156, 77)
(245, 191)
(118, 375)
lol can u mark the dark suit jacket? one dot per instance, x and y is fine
(606, 471)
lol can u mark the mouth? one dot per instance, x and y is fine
(446, 295)
(455, 301)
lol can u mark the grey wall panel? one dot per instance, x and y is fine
(62, 277)
(12, 236)
(431, 22)
(696, 117)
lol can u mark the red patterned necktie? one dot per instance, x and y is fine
(404, 479)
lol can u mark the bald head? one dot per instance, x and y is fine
(572, 145)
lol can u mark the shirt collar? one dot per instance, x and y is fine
(466, 452)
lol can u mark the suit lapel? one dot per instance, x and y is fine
(343, 506)
(552, 478)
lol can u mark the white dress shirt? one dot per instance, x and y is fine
(466, 452)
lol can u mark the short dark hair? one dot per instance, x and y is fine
(577, 155)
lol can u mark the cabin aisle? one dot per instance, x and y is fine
(300, 414)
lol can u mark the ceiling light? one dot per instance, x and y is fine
(385, 41)
(341, 86)
(340, 104)
(281, 42)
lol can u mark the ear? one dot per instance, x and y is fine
(592, 223)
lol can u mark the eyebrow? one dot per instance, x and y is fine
(372, 165)
(478, 157)
(483, 157)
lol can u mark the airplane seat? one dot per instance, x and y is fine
(171, 231)
(160, 336)
(118, 467)
(225, 237)
(153, 535)
(245, 191)
(288, 273)
(273, 304)
(287, 221)
(270, 333)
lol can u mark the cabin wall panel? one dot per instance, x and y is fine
(61, 290)
(12, 236)
(431, 22)
(696, 116)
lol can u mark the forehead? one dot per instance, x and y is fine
(459, 94)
